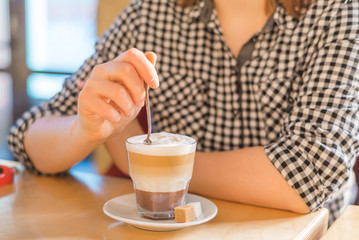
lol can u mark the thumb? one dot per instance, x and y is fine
(151, 56)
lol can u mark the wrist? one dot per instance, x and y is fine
(83, 136)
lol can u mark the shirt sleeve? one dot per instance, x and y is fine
(319, 139)
(120, 37)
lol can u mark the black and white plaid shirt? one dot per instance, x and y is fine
(293, 88)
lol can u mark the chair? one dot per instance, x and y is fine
(356, 170)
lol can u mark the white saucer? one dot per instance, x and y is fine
(124, 209)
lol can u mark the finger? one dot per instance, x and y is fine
(151, 56)
(143, 66)
(126, 74)
(105, 110)
(118, 94)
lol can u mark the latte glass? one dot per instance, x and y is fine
(160, 172)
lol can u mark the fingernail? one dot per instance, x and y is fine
(155, 82)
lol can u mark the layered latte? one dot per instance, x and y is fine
(160, 172)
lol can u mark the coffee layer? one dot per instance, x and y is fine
(161, 173)
(160, 201)
(156, 161)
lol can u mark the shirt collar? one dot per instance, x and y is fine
(202, 11)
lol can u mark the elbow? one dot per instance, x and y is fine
(45, 169)
(300, 208)
(295, 203)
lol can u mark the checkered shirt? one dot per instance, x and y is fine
(293, 89)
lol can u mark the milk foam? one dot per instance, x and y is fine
(163, 144)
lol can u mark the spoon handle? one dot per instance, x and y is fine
(152, 58)
(148, 112)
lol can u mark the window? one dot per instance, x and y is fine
(5, 51)
(5, 112)
(49, 39)
(60, 35)
(5, 78)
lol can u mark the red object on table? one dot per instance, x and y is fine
(6, 175)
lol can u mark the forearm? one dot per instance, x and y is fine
(54, 144)
(246, 176)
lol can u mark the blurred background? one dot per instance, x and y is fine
(42, 42)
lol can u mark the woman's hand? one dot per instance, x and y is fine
(114, 94)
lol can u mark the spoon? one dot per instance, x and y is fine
(148, 112)
(152, 58)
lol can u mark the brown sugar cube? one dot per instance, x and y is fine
(184, 213)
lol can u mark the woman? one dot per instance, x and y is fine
(269, 90)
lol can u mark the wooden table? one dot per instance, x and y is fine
(346, 226)
(70, 207)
